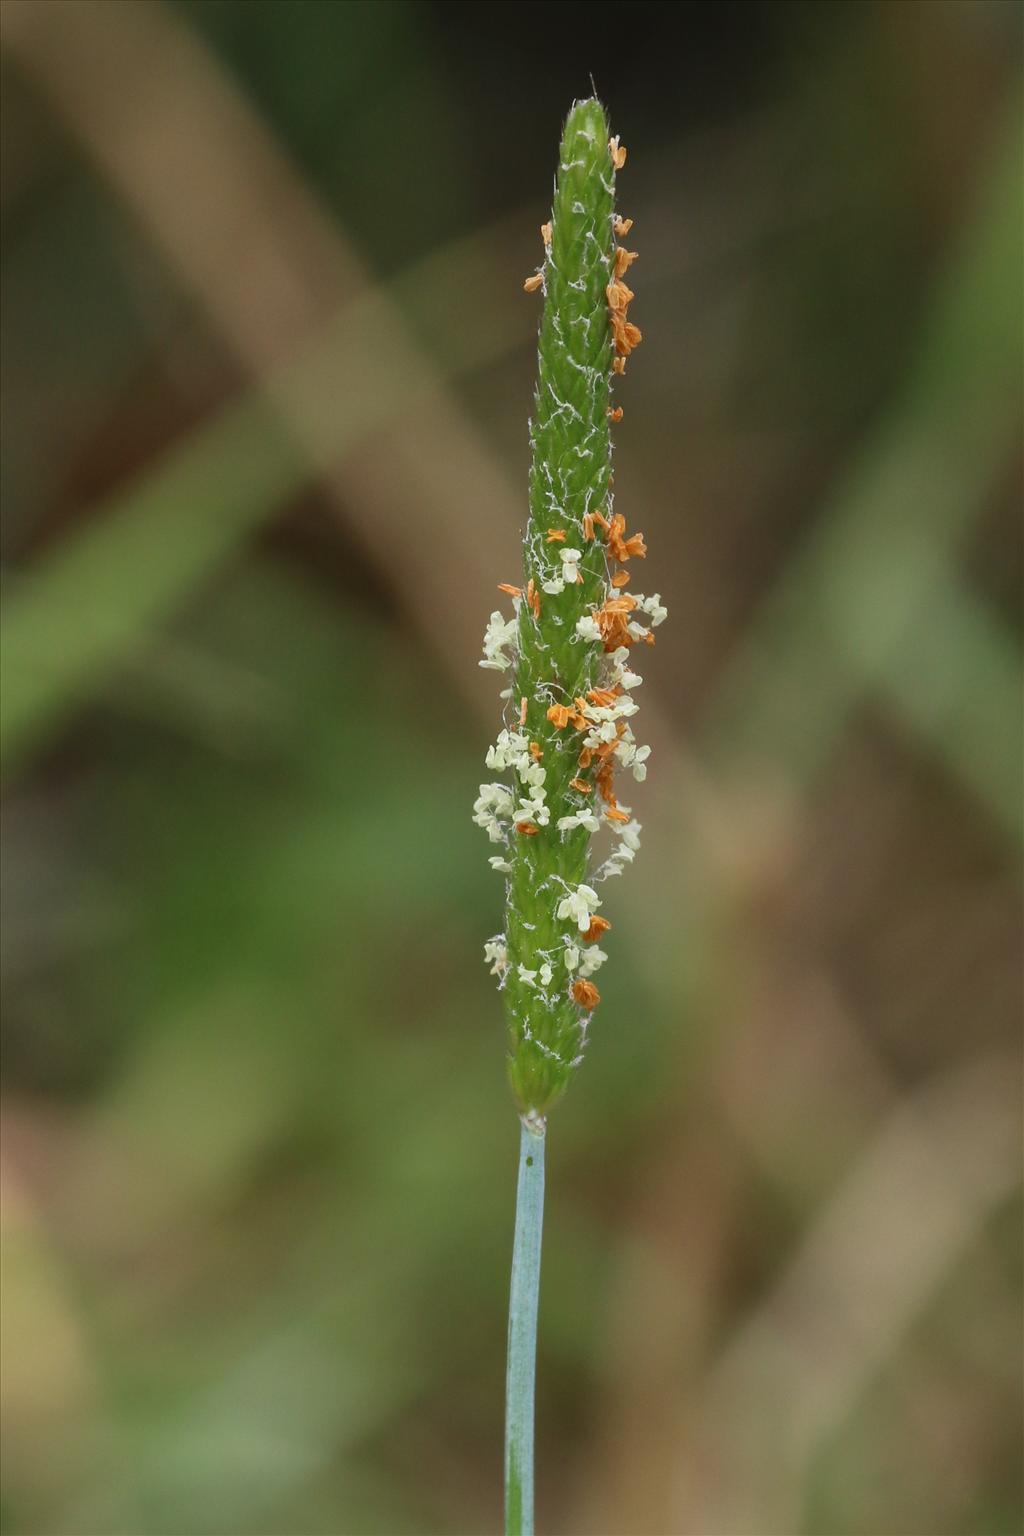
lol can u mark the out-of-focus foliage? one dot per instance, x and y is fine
(266, 366)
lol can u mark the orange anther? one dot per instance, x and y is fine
(606, 776)
(598, 925)
(586, 994)
(622, 548)
(619, 297)
(627, 336)
(533, 283)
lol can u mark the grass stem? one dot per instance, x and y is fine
(522, 1336)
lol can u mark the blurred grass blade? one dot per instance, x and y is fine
(860, 599)
(68, 623)
(65, 626)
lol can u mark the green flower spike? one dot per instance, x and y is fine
(568, 646)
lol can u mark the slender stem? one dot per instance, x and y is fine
(522, 1336)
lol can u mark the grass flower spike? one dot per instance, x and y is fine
(566, 649)
(567, 744)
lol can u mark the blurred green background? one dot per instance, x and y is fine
(266, 371)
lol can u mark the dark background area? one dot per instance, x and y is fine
(266, 370)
